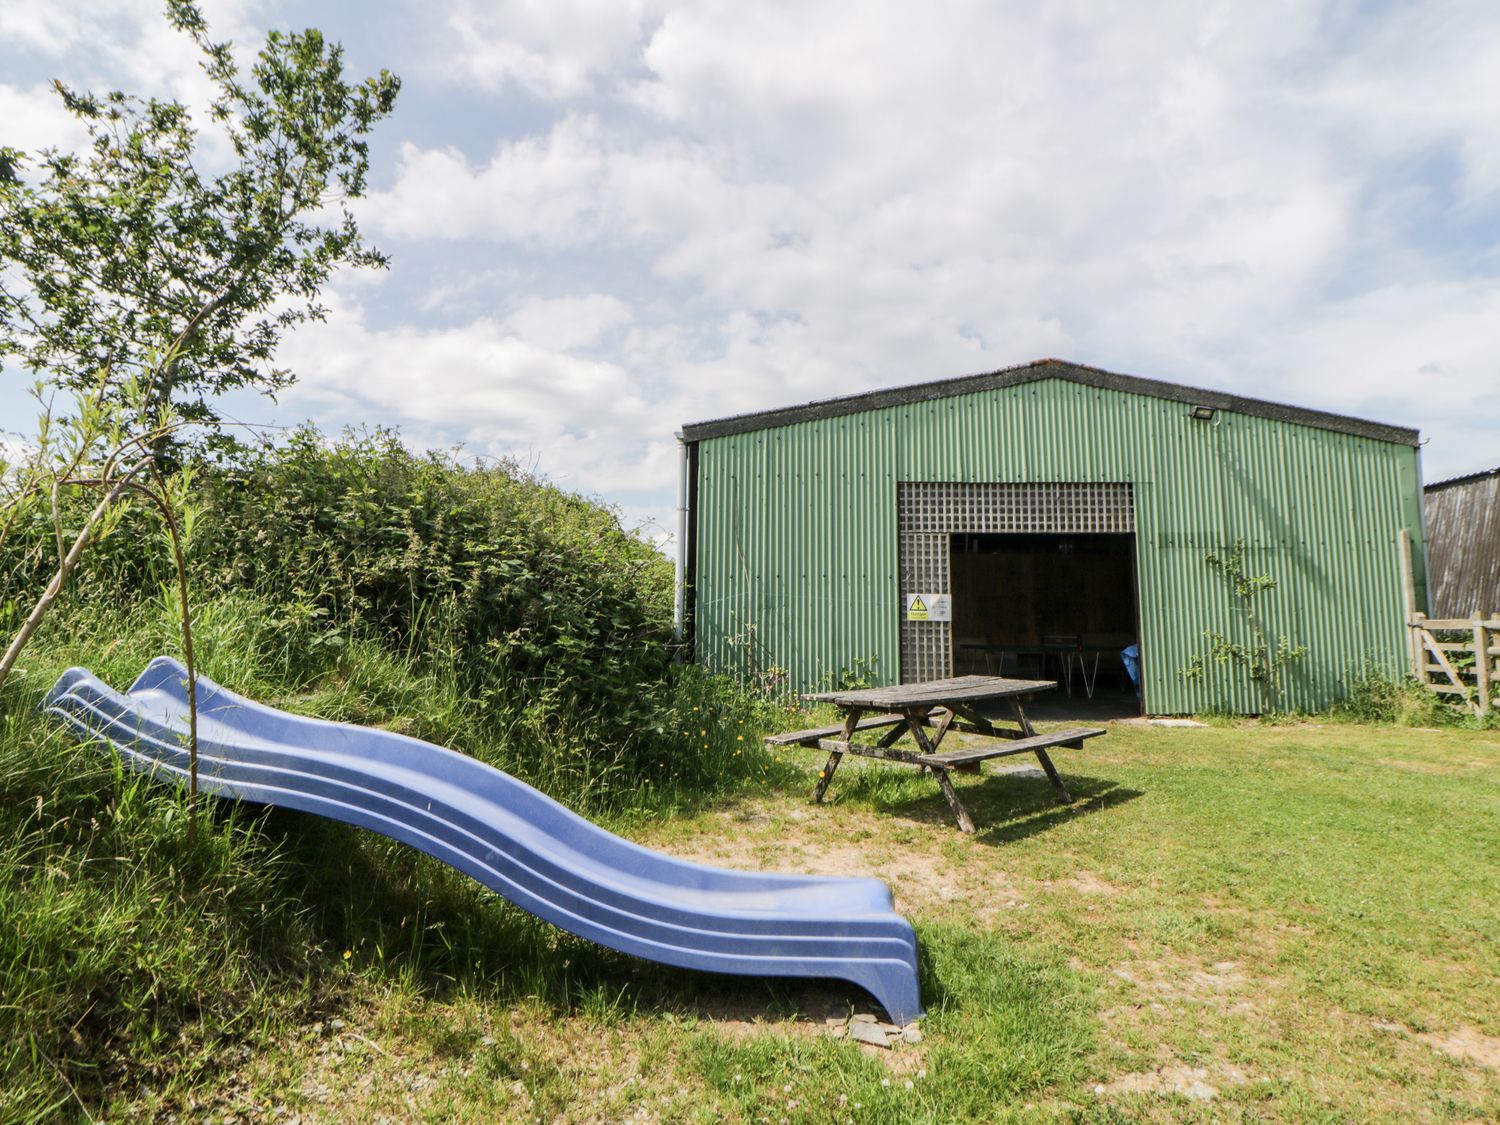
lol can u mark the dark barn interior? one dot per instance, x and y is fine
(1056, 607)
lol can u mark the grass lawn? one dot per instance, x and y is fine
(1249, 922)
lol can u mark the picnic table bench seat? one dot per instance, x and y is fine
(948, 759)
(968, 758)
(813, 735)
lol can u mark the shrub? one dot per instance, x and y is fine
(1375, 696)
(475, 605)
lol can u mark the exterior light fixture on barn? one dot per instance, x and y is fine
(806, 530)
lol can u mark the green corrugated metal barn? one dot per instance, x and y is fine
(1048, 508)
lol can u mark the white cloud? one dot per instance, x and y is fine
(482, 384)
(629, 215)
(1427, 76)
(34, 118)
(550, 48)
(567, 323)
(536, 191)
(126, 45)
(45, 27)
(864, 195)
(124, 41)
(823, 161)
(1410, 350)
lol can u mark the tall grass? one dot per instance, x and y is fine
(127, 953)
(475, 608)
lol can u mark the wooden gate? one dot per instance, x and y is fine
(1457, 657)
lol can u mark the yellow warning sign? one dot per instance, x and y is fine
(929, 607)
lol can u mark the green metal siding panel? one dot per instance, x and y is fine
(797, 550)
(797, 530)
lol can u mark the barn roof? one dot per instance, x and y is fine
(1035, 372)
(1467, 478)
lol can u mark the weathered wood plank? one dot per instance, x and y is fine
(911, 710)
(1408, 593)
(961, 814)
(1054, 777)
(851, 723)
(1463, 544)
(959, 689)
(1452, 624)
(975, 723)
(951, 758)
(1453, 676)
(812, 734)
(869, 750)
(1481, 665)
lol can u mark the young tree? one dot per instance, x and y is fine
(1261, 660)
(145, 284)
(133, 259)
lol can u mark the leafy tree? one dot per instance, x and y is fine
(146, 285)
(134, 259)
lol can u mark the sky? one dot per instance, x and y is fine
(608, 218)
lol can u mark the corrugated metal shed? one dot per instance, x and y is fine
(1463, 535)
(797, 543)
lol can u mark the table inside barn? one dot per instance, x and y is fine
(927, 713)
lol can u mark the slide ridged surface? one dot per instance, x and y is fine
(512, 838)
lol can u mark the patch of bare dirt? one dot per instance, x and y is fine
(818, 1014)
(1195, 1082)
(1221, 985)
(921, 877)
(1466, 1044)
(1084, 882)
(737, 1017)
(388, 1076)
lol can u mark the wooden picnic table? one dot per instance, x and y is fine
(926, 712)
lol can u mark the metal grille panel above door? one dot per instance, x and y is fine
(928, 513)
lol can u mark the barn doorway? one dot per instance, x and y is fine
(934, 515)
(1048, 606)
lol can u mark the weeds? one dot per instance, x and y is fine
(1375, 696)
(133, 950)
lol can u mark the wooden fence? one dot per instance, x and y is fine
(1457, 656)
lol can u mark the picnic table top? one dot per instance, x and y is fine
(957, 689)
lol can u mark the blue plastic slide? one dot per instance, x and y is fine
(513, 839)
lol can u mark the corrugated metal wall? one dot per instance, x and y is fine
(797, 531)
(1463, 528)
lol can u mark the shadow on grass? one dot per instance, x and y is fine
(404, 916)
(1005, 807)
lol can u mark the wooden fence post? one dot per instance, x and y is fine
(1409, 604)
(1482, 663)
(1415, 628)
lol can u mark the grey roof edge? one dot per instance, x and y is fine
(1034, 372)
(1467, 478)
